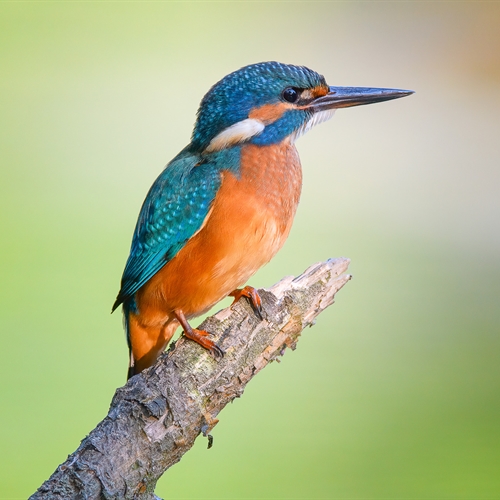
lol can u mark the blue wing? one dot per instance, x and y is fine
(174, 209)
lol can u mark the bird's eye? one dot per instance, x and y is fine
(290, 94)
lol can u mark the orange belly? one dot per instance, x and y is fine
(248, 223)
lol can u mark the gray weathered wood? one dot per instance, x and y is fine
(156, 417)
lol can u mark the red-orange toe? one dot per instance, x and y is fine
(200, 337)
(252, 295)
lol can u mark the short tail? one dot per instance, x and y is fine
(131, 370)
(145, 343)
(126, 327)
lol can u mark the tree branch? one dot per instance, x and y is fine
(156, 417)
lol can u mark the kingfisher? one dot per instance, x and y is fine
(224, 206)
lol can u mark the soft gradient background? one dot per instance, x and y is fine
(395, 392)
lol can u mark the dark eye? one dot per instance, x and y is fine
(290, 94)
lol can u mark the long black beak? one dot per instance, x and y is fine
(345, 97)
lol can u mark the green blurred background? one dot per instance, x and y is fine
(395, 392)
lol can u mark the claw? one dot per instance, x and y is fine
(253, 297)
(199, 336)
(216, 351)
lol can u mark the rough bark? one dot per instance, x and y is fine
(156, 417)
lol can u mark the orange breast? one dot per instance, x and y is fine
(249, 222)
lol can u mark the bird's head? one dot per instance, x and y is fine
(269, 102)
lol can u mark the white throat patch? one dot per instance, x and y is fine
(316, 118)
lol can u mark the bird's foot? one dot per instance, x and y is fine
(252, 295)
(199, 336)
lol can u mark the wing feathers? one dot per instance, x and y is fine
(173, 211)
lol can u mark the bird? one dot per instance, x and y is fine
(224, 206)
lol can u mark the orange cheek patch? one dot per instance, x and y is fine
(269, 113)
